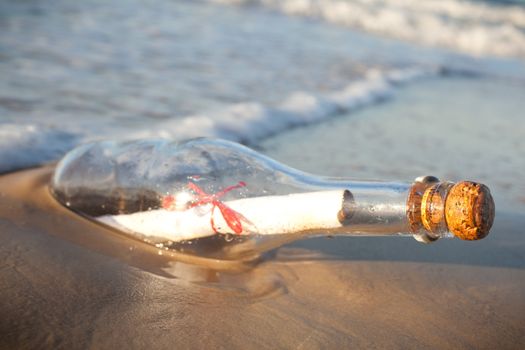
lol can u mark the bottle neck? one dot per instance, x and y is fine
(427, 209)
(374, 208)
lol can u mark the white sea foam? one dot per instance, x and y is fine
(472, 27)
(252, 121)
(28, 145)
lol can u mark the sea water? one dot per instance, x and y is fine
(367, 89)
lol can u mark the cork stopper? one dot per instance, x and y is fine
(466, 209)
(469, 210)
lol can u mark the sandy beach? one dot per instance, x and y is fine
(69, 283)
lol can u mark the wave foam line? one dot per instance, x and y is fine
(471, 27)
(249, 122)
(23, 146)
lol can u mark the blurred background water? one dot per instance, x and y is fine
(389, 89)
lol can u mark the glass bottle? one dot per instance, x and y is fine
(219, 199)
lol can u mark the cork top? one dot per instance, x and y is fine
(466, 209)
(469, 210)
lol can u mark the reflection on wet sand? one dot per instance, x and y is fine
(68, 282)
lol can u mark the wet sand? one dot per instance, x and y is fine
(66, 282)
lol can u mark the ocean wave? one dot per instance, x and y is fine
(29, 145)
(471, 27)
(251, 121)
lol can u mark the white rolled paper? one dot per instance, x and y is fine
(259, 215)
